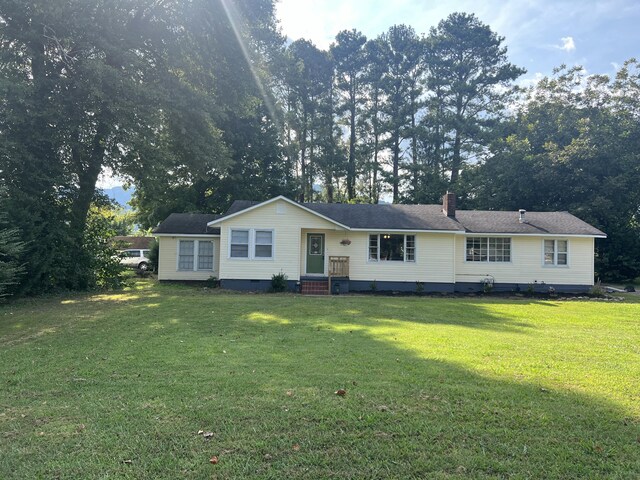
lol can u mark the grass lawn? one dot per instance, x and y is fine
(118, 385)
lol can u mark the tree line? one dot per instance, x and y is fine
(200, 103)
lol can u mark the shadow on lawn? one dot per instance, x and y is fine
(404, 416)
(421, 417)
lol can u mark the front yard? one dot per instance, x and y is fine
(118, 386)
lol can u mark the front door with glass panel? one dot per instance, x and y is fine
(315, 253)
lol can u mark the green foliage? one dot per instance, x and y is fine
(373, 286)
(573, 146)
(101, 268)
(142, 88)
(11, 249)
(597, 290)
(154, 255)
(279, 282)
(419, 287)
(212, 282)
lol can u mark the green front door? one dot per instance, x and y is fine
(315, 253)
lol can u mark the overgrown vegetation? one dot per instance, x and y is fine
(119, 385)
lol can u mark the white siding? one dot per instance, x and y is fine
(526, 264)
(434, 258)
(286, 221)
(168, 261)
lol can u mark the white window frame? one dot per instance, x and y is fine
(488, 238)
(555, 253)
(196, 259)
(231, 230)
(251, 255)
(193, 263)
(405, 235)
(254, 237)
(196, 255)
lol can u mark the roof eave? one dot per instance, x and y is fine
(178, 234)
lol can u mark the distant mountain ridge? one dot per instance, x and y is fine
(120, 195)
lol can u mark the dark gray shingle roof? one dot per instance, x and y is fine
(188, 223)
(381, 216)
(239, 205)
(558, 223)
(431, 217)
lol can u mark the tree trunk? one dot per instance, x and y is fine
(414, 151)
(376, 147)
(456, 160)
(396, 161)
(88, 173)
(351, 167)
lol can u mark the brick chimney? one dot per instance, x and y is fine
(449, 204)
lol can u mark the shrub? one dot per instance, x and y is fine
(279, 282)
(487, 284)
(154, 255)
(212, 282)
(373, 286)
(419, 287)
(597, 290)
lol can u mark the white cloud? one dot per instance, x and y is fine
(108, 179)
(568, 45)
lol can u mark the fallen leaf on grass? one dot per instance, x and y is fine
(128, 462)
(289, 393)
(207, 435)
(213, 460)
(200, 432)
(296, 448)
(80, 428)
(267, 456)
(341, 392)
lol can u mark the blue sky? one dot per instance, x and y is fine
(540, 34)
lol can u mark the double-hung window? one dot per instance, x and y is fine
(556, 252)
(239, 247)
(254, 244)
(186, 254)
(263, 247)
(205, 255)
(392, 247)
(195, 255)
(488, 249)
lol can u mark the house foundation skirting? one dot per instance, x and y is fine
(254, 285)
(345, 285)
(407, 287)
(472, 287)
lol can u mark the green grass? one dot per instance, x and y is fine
(117, 386)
